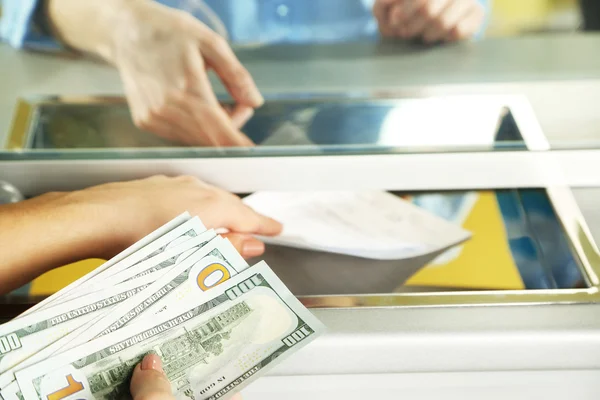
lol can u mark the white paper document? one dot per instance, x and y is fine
(374, 225)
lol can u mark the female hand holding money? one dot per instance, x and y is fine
(56, 229)
(149, 382)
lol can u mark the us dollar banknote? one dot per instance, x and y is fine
(145, 242)
(201, 274)
(205, 262)
(211, 348)
(49, 340)
(186, 231)
(219, 251)
(159, 262)
(23, 337)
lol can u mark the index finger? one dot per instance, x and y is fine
(201, 86)
(214, 122)
(232, 73)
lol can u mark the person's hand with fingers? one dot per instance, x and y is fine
(143, 205)
(149, 381)
(430, 20)
(163, 55)
(101, 221)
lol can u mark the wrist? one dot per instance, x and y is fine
(90, 26)
(47, 232)
(130, 25)
(122, 20)
(98, 224)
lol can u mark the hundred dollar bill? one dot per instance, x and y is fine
(131, 250)
(188, 229)
(11, 392)
(219, 250)
(147, 271)
(210, 349)
(194, 244)
(219, 258)
(202, 274)
(161, 262)
(25, 336)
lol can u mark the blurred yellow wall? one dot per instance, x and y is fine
(510, 17)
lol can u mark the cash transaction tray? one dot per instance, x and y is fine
(565, 272)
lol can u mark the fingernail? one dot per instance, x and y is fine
(257, 98)
(152, 361)
(251, 94)
(252, 248)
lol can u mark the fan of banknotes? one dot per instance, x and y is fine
(182, 292)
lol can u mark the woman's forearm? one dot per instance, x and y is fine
(89, 26)
(47, 232)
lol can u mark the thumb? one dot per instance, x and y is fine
(149, 381)
(245, 244)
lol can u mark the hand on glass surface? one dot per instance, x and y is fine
(431, 20)
(101, 221)
(138, 207)
(149, 381)
(163, 56)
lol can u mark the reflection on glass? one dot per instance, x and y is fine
(435, 122)
(94, 126)
(432, 124)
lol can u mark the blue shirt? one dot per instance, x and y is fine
(245, 21)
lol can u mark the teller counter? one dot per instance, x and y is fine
(511, 312)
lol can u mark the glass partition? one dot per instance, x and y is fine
(287, 125)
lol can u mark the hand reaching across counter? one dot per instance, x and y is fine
(163, 55)
(59, 228)
(430, 20)
(142, 205)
